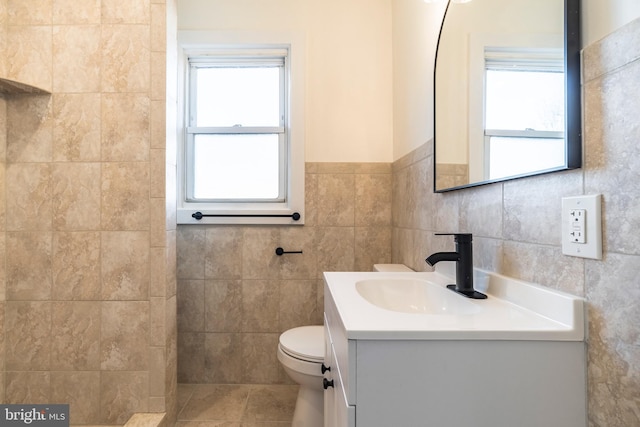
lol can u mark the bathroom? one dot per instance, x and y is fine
(102, 304)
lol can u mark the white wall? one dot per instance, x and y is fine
(415, 34)
(348, 72)
(602, 17)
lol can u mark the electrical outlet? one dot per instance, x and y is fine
(582, 226)
(577, 231)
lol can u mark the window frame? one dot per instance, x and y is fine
(197, 44)
(250, 58)
(479, 44)
(512, 59)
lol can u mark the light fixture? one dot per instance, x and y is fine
(442, 1)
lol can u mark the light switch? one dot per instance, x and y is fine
(582, 226)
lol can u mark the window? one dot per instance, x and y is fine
(241, 158)
(524, 111)
(515, 104)
(236, 138)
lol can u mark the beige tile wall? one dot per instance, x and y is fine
(516, 225)
(87, 233)
(235, 296)
(3, 233)
(452, 175)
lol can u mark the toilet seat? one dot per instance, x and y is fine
(304, 343)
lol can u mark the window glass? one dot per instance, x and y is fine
(232, 167)
(231, 96)
(544, 95)
(511, 156)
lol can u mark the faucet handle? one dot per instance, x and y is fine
(458, 237)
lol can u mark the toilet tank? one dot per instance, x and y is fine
(395, 268)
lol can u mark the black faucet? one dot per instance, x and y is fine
(463, 256)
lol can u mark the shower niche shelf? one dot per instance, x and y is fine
(13, 87)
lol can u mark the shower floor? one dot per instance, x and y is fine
(231, 405)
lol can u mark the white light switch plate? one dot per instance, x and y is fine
(582, 226)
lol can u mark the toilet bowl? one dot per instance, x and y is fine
(301, 353)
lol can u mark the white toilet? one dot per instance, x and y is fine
(301, 352)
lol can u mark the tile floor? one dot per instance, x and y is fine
(230, 405)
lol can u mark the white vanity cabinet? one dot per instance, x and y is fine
(401, 381)
(337, 412)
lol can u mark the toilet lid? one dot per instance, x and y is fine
(304, 342)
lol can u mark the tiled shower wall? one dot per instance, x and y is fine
(87, 249)
(516, 225)
(235, 295)
(3, 235)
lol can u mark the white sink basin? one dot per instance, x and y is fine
(417, 306)
(414, 296)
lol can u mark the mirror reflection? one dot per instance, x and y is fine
(500, 91)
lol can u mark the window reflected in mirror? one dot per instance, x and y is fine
(524, 112)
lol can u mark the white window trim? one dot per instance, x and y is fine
(194, 42)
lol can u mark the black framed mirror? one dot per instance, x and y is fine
(507, 98)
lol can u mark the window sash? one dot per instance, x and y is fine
(237, 58)
(524, 136)
(235, 62)
(237, 130)
(528, 133)
(190, 177)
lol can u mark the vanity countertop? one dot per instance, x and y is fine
(514, 310)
